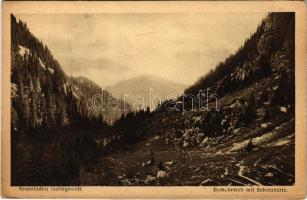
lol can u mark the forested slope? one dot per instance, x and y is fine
(52, 120)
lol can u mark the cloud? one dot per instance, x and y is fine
(100, 64)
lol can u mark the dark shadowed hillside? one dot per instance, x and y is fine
(50, 112)
(85, 90)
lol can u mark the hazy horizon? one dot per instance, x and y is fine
(109, 48)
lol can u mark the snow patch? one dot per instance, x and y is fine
(206, 181)
(42, 64)
(64, 87)
(23, 50)
(51, 70)
(256, 141)
(75, 95)
(239, 145)
(14, 89)
(76, 88)
(283, 109)
(282, 142)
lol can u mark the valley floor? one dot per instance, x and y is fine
(223, 162)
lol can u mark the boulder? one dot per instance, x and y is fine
(161, 174)
(283, 109)
(169, 162)
(187, 133)
(193, 138)
(187, 137)
(149, 162)
(205, 140)
(185, 144)
(264, 125)
(156, 137)
(236, 131)
(199, 137)
(196, 130)
(150, 178)
(269, 174)
(166, 141)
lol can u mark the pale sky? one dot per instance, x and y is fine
(108, 48)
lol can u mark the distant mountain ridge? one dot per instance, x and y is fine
(87, 89)
(148, 87)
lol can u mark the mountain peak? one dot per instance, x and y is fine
(146, 85)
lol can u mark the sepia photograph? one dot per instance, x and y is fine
(153, 99)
